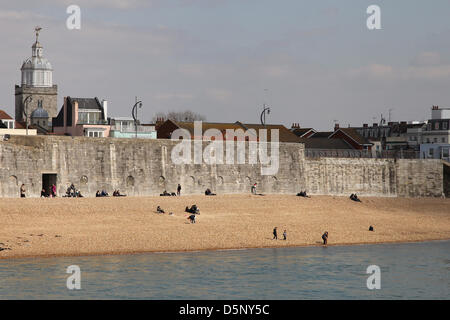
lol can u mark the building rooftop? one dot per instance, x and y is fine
(5, 116)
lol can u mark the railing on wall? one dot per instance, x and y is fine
(132, 128)
(343, 153)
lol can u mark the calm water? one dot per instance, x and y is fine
(408, 271)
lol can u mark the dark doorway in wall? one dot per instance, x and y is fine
(48, 179)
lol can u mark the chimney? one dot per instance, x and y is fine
(336, 126)
(365, 125)
(105, 108)
(375, 125)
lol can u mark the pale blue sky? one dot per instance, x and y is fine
(216, 57)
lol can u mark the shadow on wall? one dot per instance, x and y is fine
(447, 179)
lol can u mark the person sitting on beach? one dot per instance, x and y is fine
(303, 194)
(165, 194)
(193, 209)
(354, 197)
(98, 194)
(159, 210)
(118, 194)
(104, 193)
(209, 193)
(43, 194)
(325, 238)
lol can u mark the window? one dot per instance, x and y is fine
(443, 140)
(445, 152)
(89, 117)
(444, 125)
(430, 152)
(436, 126)
(94, 134)
(435, 140)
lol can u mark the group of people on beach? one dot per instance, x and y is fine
(275, 234)
(193, 210)
(50, 194)
(73, 192)
(324, 236)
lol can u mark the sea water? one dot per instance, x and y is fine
(407, 271)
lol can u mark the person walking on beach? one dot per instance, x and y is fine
(284, 235)
(22, 191)
(275, 237)
(254, 189)
(325, 238)
(179, 190)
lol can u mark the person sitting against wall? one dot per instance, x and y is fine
(209, 193)
(165, 194)
(104, 193)
(354, 197)
(43, 193)
(303, 194)
(117, 193)
(98, 194)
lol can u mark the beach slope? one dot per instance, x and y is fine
(86, 226)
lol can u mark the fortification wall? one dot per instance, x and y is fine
(374, 177)
(134, 166)
(145, 167)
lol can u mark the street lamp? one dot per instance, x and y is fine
(25, 110)
(263, 114)
(134, 114)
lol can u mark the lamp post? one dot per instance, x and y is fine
(134, 114)
(263, 114)
(25, 110)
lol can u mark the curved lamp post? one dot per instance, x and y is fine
(25, 110)
(263, 114)
(134, 114)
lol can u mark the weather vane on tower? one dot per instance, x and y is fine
(37, 29)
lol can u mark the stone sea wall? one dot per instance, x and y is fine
(144, 167)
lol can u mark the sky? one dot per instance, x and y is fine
(313, 62)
